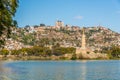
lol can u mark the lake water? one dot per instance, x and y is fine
(60, 70)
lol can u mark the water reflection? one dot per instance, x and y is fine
(84, 72)
(60, 70)
(4, 71)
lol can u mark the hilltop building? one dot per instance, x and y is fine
(59, 24)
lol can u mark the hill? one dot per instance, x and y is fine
(97, 38)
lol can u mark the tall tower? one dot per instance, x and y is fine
(83, 48)
(83, 40)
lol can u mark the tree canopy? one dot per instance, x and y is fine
(7, 12)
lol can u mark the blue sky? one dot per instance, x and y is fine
(74, 12)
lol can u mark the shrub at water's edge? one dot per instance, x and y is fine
(56, 53)
(114, 52)
(38, 52)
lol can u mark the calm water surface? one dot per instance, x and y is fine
(60, 70)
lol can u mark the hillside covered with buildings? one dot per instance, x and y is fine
(61, 39)
(97, 37)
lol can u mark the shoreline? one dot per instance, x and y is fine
(84, 60)
(50, 58)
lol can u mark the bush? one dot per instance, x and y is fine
(114, 52)
(4, 52)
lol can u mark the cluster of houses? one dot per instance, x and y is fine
(99, 36)
(11, 44)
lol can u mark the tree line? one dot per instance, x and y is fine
(39, 51)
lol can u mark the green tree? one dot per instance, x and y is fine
(7, 12)
(114, 52)
(41, 25)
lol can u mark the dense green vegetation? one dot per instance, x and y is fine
(4, 52)
(7, 11)
(114, 52)
(39, 51)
